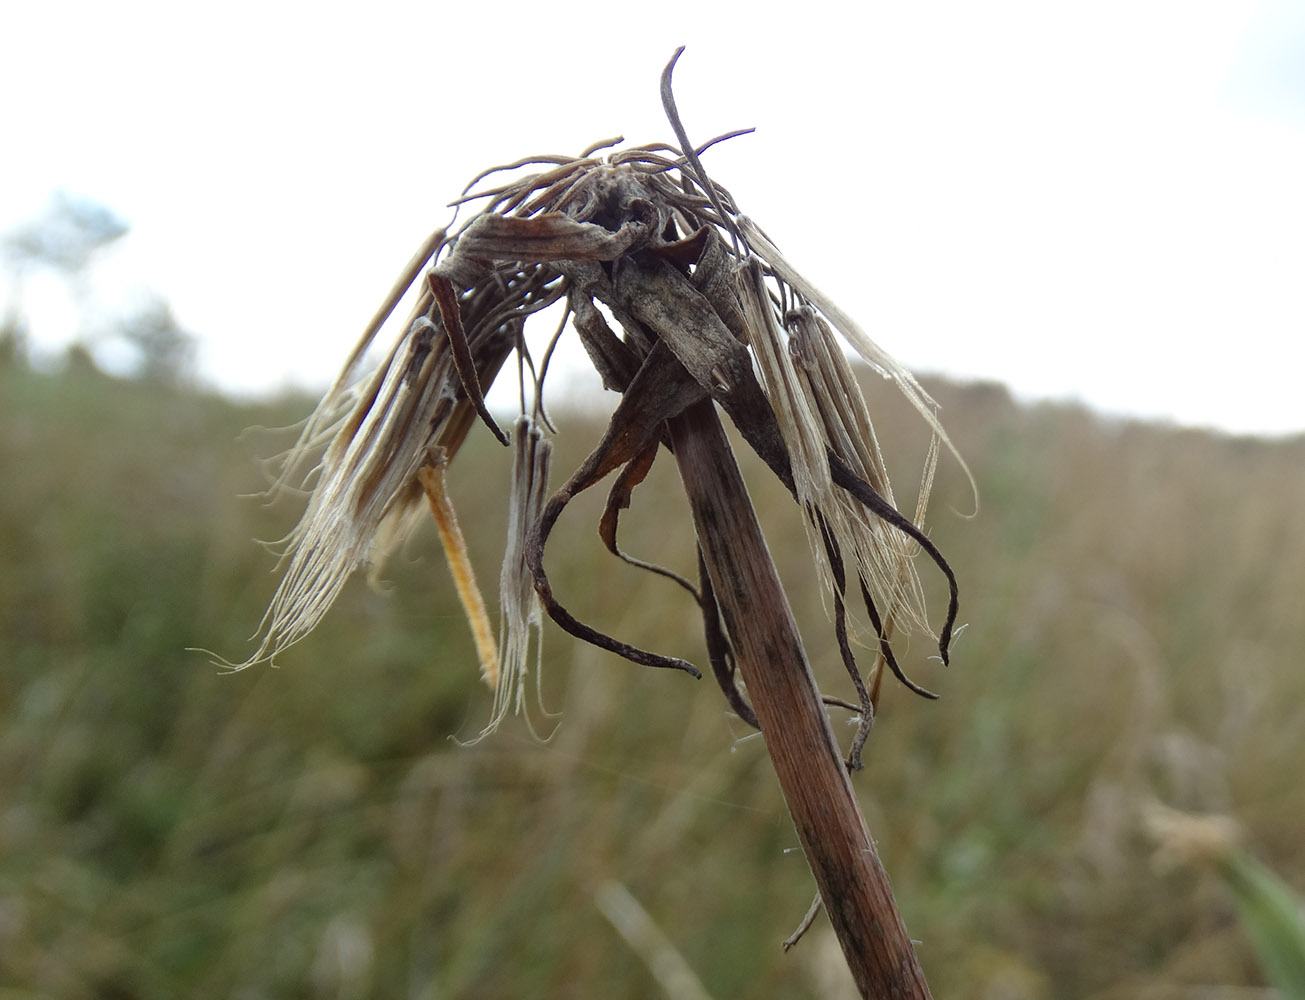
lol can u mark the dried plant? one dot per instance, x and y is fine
(710, 314)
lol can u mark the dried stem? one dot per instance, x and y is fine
(431, 478)
(807, 761)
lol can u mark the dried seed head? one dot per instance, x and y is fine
(706, 306)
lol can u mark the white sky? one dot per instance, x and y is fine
(1103, 201)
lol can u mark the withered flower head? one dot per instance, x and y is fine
(707, 308)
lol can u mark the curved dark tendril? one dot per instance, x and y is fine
(447, 301)
(836, 567)
(673, 116)
(845, 478)
(866, 707)
(618, 499)
(535, 542)
(885, 647)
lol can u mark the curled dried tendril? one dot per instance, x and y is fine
(704, 306)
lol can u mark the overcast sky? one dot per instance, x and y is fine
(1102, 201)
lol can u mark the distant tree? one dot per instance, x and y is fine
(165, 351)
(64, 239)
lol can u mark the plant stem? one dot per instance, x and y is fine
(807, 761)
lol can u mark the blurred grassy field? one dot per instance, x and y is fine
(167, 830)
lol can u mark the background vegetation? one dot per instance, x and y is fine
(167, 830)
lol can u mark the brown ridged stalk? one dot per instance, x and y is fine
(807, 761)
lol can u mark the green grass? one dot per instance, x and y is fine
(312, 830)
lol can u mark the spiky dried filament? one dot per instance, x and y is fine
(377, 434)
(431, 477)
